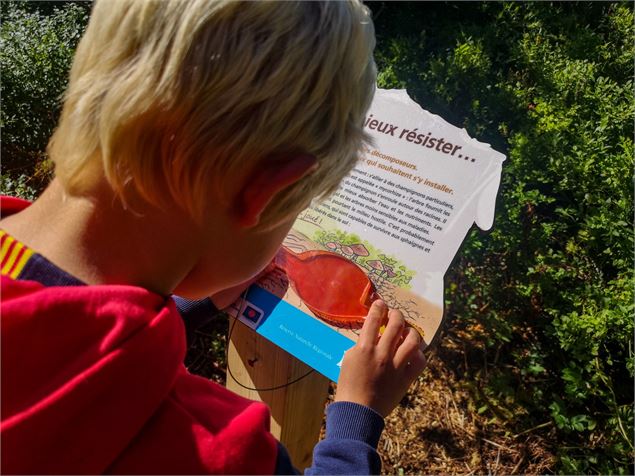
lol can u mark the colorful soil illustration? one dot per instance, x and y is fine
(419, 313)
(379, 265)
(335, 289)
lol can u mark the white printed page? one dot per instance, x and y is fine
(390, 231)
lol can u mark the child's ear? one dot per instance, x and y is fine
(265, 181)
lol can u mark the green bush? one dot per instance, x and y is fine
(546, 298)
(37, 42)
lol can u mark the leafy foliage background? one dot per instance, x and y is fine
(546, 298)
(37, 42)
(544, 303)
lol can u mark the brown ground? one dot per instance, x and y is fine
(436, 429)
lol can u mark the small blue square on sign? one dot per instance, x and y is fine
(252, 314)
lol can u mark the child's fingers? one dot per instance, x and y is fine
(416, 364)
(392, 334)
(372, 324)
(409, 350)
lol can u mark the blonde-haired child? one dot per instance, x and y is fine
(192, 134)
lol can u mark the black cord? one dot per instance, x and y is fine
(229, 370)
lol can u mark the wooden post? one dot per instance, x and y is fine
(296, 410)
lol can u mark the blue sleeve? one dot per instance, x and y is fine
(195, 314)
(350, 445)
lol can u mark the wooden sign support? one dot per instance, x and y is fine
(297, 409)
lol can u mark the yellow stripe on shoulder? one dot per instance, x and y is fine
(4, 250)
(28, 252)
(12, 257)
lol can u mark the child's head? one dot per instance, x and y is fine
(169, 99)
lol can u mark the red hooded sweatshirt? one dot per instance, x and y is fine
(93, 382)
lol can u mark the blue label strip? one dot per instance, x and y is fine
(303, 336)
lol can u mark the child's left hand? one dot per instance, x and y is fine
(377, 371)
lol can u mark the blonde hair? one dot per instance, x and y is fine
(167, 98)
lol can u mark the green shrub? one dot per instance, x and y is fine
(17, 186)
(546, 298)
(36, 50)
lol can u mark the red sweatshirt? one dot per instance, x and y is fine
(93, 381)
